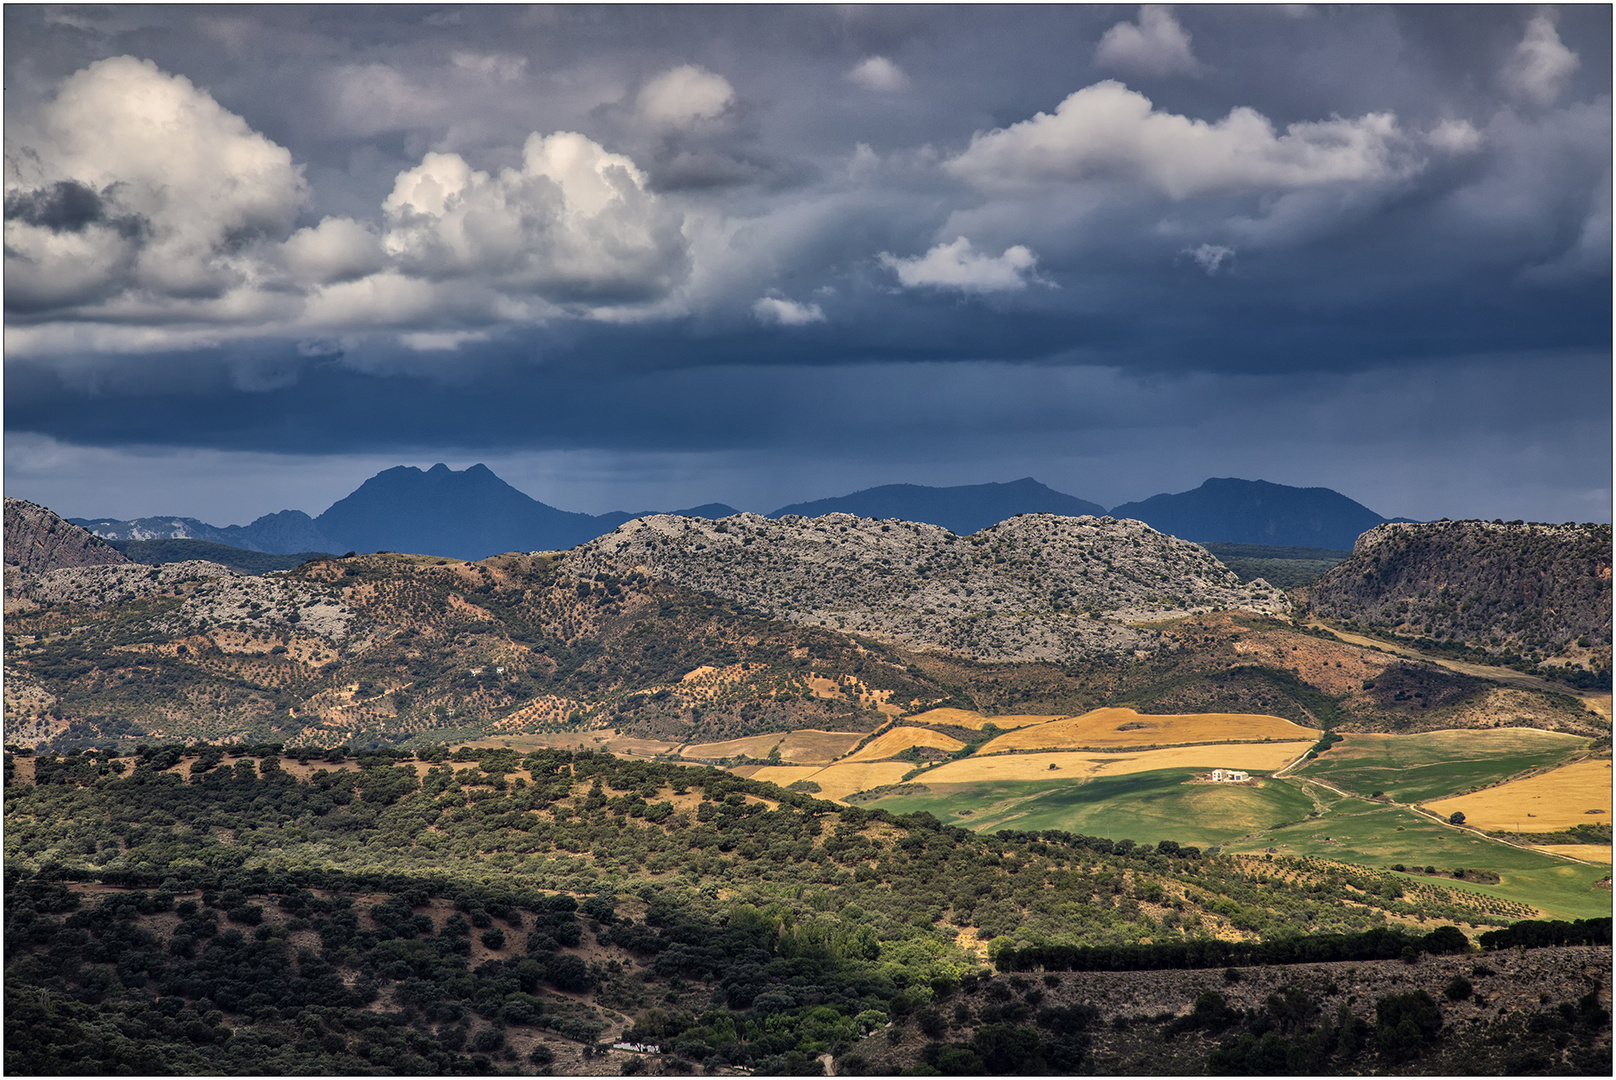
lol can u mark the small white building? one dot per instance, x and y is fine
(1233, 776)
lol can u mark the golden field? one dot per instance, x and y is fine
(1124, 727)
(899, 739)
(975, 720)
(1072, 764)
(841, 780)
(1578, 794)
(1595, 853)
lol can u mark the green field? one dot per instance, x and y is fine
(1374, 834)
(1144, 807)
(1433, 765)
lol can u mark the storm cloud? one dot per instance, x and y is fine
(834, 246)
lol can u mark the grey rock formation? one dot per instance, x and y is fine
(1035, 587)
(38, 540)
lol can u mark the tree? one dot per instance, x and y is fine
(1456, 818)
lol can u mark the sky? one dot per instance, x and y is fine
(651, 257)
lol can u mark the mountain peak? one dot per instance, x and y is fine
(1232, 510)
(962, 510)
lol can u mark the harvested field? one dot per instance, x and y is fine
(784, 775)
(810, 746)
(1124, 727)
(757, 746)
(1577, 794)
(840, 781)
(1069, 764)
(1594, 853)
(974, 720)
(900, 739)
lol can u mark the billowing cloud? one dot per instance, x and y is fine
(337, 249)
(574, 222)
(685, 95)
(783, 312)
(957, 265)
(1540, 64)
(1107, 131)
(1155, 45)
(137, 179)
(879, 74)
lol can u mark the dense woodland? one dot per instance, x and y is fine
(205, 912)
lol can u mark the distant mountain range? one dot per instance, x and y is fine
(465, 515)
(962, 510)
(473, 514)
(1257, 512)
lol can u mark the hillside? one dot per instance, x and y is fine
(378, 649)
(1256, 512)
(1521, 589)
(1036, 587)
(962, 510)
(36, 540)
(237, 911)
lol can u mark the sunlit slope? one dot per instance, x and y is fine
(1578, 794)
(1124, 727)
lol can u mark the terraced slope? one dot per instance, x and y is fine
(1035, 587)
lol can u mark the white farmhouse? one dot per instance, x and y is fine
(1233, 776)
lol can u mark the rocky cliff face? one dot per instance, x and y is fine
(1035, 587)
(1517, 587)
(37, 541)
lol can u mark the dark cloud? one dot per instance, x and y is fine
(930, 238)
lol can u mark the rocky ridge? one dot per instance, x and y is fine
(213, 595)
(1502, 587)
(37, 541)
(1034, 587)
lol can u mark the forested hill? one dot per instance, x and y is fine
(236, 913)
(1521, 588)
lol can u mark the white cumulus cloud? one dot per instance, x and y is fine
(1107, 131)
(686, 95)
(132, 178)
(573, 222)
(337, 249)
(783, 312)
(957, 265)
(879, 74)
(1540, 64)
(1155, 45)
